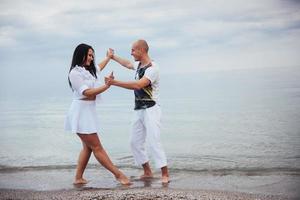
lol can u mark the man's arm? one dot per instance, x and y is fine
(124, 62)
(131, 85)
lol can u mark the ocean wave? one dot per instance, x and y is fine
(242, 171)
(245, 171)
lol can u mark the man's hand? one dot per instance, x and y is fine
(109, 79)
(112, 75)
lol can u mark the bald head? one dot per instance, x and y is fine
(142, 44)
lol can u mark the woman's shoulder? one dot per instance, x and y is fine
(75, 71)
(80, 71)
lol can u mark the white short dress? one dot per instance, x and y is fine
(82, 117)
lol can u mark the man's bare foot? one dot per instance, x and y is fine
(123, 179)
(147, 171)
(165, 180)
(80, 181)
(146, 176)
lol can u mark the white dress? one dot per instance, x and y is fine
(82, 117)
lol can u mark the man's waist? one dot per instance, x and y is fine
(143, 103)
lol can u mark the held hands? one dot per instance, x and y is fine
(110, 53)
(108, 80)
(112, 75)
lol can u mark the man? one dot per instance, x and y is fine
(147, 110)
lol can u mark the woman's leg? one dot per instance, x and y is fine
(83, 159)
(93, 142)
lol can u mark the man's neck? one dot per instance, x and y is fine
(145, 61)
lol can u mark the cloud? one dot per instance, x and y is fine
(7, 36)
(280, 51)
(218, 29)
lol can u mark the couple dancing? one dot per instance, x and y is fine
(82, 119)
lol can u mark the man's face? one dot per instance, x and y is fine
(136, 52)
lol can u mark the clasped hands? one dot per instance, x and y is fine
(108, 79)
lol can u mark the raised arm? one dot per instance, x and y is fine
(103, 63)
(122, 61)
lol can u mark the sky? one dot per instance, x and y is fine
(37, 38)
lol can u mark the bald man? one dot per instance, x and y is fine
(146, 124)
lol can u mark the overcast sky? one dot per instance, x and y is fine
(37, 38)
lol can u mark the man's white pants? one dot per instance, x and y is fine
(146, 128)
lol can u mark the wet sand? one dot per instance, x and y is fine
(137, 193)
(57, 184)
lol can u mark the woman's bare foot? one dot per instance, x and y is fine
(165, 180)
(80, 181)
(123, 179)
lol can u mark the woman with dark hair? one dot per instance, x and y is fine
(81, 117)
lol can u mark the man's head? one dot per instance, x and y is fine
(139, 49)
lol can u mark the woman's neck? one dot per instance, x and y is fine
(85, 66)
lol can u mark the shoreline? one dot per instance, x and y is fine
(57, 184)
(135, 193)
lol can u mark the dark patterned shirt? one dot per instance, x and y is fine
(143, 96)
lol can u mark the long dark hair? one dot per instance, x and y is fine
(79, 57)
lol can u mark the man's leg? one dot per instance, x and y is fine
(152, 125)
(137, 143)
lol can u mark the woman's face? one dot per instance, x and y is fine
(90, 58)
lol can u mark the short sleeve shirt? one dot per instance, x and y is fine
(149, 95)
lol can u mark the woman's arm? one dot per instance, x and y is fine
(103, 63)
(109, 55)
(92, 92)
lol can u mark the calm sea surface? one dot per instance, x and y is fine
(216, 122)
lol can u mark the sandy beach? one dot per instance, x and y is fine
(137, 193)
(35, 183)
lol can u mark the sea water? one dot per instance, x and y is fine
(231, 122)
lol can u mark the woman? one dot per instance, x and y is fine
(81, 118)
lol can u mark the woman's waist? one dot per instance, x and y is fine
(83, 98)
(84, 101)
(80, 97)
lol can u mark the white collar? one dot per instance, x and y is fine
(84, 72)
